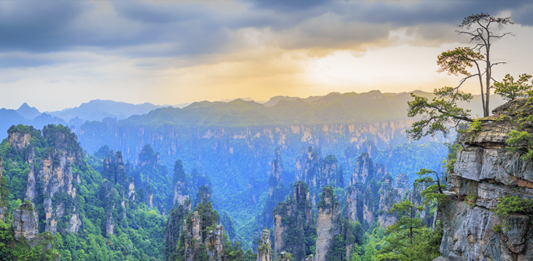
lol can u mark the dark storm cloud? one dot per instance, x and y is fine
(36, 25)
(163, 29)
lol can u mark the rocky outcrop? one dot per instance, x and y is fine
(193, 237)
(284, 256)
(25, 222)
(181, 192)
(214, 243)
(351, 203)
(131, 191)
(54, 172)
(483, 173)
(149, 196)
(19, 139)
(277, 191)
(198, 238)
(387, 198)
(364, 170)
(319, 172)
(264, 249)
(371, 193)
(174, 226)
(294, 217)
(25, 227)
(402, 184)
(328, 223)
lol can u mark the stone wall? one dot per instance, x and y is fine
(483, 173)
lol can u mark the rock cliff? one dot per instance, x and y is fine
(52, 168)
(319, 172)
(372, 194)
(264, 249)
(174, 226)
(329, 222)
(200, 236)
(388, 197)
(25, 222)
(484, 173)
(294, 224)
(181, 192)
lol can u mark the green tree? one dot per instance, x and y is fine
(433, 192)
(6, 237)
(480, 29)
(439, 113)
(408, 239)
(370, 250)
(442, 113)
(510, 90)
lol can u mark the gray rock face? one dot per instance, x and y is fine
(327, 226)
(483, 173)
(25, 222)
(215, 244)
(364, 169)
(264, 250)
(351, 203)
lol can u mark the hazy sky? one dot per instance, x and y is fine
(58, 54)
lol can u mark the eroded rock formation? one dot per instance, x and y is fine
(25, 222)
(294, 217)
(55, 172)
(329, 223)
(484, 173)
(264, 250)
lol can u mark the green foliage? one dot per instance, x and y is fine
(10, 249)
(138, 232)
(328, 192)
(475, 125)
(457, 61)
(228, 224)
(20, 128)
(337, 249)
(453, 148)
(439, 113)
(510, 90)
(6, 237)
(434, 190)
(517, 139)
(497, 228)
(408, 239)
(512, 205)
(471, 199)
(300, 236)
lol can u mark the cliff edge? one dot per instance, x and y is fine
(484, 175)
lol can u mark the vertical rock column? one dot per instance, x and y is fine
(264, 251)
(328, 216)
(215, 244)
(25, 222)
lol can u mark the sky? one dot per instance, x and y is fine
(59, 54)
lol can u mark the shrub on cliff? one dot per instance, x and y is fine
(510, 90)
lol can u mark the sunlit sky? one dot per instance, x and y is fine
(59, 54)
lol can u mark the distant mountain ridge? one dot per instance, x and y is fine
(279, 110)
(335, 108)
(97, 110)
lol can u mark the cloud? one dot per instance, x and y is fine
(200, 32)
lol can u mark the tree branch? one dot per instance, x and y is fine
(497, 63)
(464, 79)
(500, 36)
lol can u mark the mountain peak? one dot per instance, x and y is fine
(28, 112)
(24, 105)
